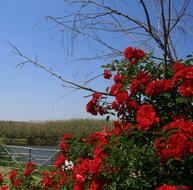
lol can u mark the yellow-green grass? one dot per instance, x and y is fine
(4, 170)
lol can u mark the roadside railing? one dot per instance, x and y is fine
(21, 154)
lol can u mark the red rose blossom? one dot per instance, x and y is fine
(12, 174)
(66, 136)
(186, 88)
(178, 144)
(60, 161)
(4, 187)
(116, 88)
(170, 187)
(178, 66)
(158, 87)
(166, 187)
(122, 97)
(91, 108)
(146, 117)
(107, 74)
(132, 105)
(131, 53)
(141, 80)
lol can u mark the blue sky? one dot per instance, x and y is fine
(30, 93)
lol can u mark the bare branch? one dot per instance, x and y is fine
(180, 15)
(147, 15)
(50, 71)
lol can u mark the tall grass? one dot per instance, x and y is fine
(48, 133)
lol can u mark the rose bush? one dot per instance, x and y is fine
(150, 145)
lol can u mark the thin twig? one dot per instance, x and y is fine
(50, 71)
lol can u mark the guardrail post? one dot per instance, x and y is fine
(29, 154)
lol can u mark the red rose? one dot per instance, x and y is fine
(67, 136)
(4, 187)
(63, 145)
(91, 108)
(122, 97)
(95, 165)
(60, 161)
(139, 54)
(12, 175)
(186, 88)
(119, 78)
(129, 53)
(107, 74)
(115, 105)
(16, 183)
(95, 97)
(116, 88)
(146, 117)
(178, 66)
(169, 187)
(178, 144)
(182, 187)
(165, 187)
(133, 54)
(186, 73)
(132, 105)
(80, 178)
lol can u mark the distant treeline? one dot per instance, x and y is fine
(46, 133)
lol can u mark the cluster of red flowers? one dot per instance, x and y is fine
(2, 187)
(170, 187)
(184, 77)
(139, 82)
(146, 117)
(86, 169)
(93, 106)
(122, 100)
(178, 144)
(155, 88)
(63, 149)
(60, 161)
(16, 179)
(133, 54)
(54, 179)
(132, 105)
(15, 182)
(118, 86)
(29, 169)
(90, 168)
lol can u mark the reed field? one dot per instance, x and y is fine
(46, 133)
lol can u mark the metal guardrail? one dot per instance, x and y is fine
(21, 154)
